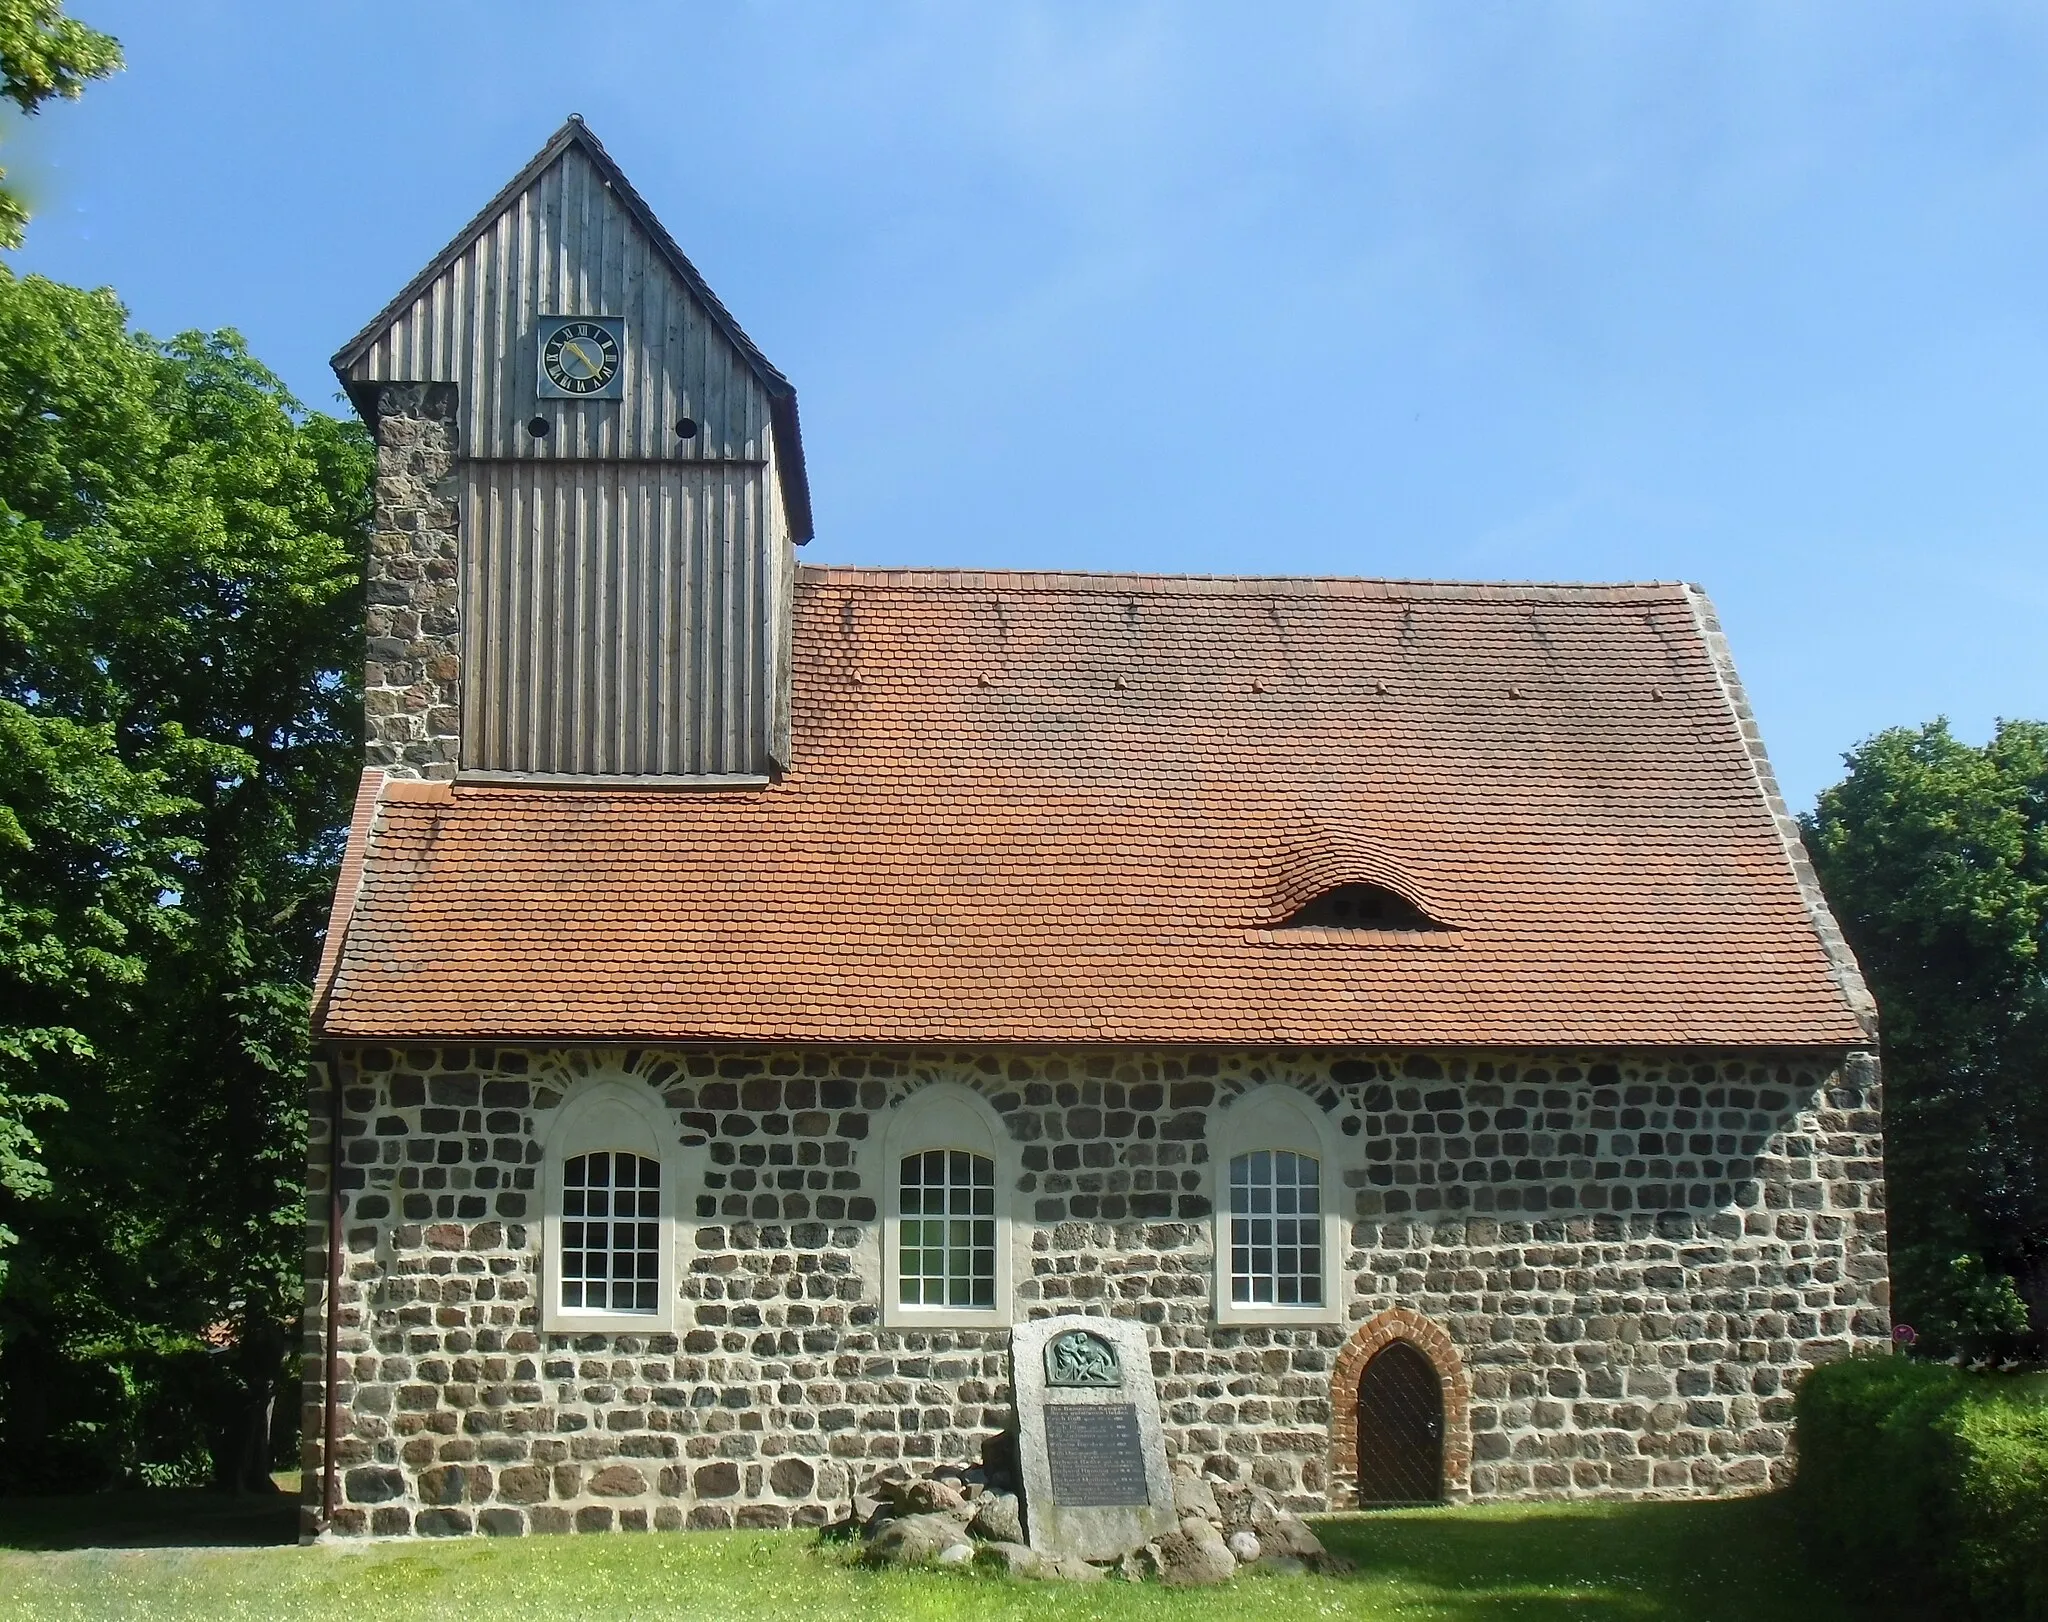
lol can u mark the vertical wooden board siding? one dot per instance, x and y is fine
(566, 246)
(616, 619)
(781, 567)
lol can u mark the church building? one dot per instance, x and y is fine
(753, 989)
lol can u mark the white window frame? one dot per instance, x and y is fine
(943, 1115)
(1276, 1117)
(609, 1114)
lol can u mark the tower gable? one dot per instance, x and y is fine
(568, 235)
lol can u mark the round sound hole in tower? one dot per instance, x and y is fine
(1400, 1429)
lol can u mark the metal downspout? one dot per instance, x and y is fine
(330, 1418)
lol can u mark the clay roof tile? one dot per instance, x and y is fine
(1043, 858)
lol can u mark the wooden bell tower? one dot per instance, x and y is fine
(590, 488)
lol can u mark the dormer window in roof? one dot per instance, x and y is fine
(1360, 906)
(1333, 884)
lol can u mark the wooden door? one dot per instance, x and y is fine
(1400, 1429)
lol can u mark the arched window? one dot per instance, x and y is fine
(1276, 1229)
(1278, 1233)
(946, 1235)
(609, 1244)
(948, 1170)
(611, 1233)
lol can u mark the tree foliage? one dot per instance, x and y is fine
(179, 582)
(1934, 855)
(44, 53)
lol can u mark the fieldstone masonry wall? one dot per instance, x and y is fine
(412, 681)
(1634, 1257)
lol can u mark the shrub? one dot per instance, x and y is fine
(1924, 1480)
(143, 1412)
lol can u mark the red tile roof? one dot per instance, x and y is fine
(1068, 808)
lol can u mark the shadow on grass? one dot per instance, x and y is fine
(161, 1518)
(1684, 1561)
(1730, 1560)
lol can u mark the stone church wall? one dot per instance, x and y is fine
(1619, 1265)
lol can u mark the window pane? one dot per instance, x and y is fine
(1276, 1255)
(623, 1251)
(947, 1230)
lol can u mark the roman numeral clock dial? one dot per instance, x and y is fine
(579, 359)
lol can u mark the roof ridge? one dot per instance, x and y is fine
(1292, 585)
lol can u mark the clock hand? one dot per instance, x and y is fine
(576, 349)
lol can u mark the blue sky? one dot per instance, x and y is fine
(1753, 295)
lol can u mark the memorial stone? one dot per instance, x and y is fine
(1095, 1476)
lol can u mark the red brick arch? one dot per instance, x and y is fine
(1428, 1338)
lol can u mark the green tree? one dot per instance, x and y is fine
(179, 618)
(44, 53)
(85, 846)
(1934, 855)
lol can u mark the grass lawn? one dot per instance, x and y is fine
(1728, 1561)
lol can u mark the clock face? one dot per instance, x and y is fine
(579, 358)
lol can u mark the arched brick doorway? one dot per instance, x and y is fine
(1400, 1429)
(1425, 1352)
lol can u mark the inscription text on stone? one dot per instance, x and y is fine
(1095, 1453)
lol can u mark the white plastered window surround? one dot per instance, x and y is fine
(1283, 1120)
(607, 1115)
(946, 1117)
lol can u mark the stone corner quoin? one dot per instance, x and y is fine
(1619, 1266)
(412, 674)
